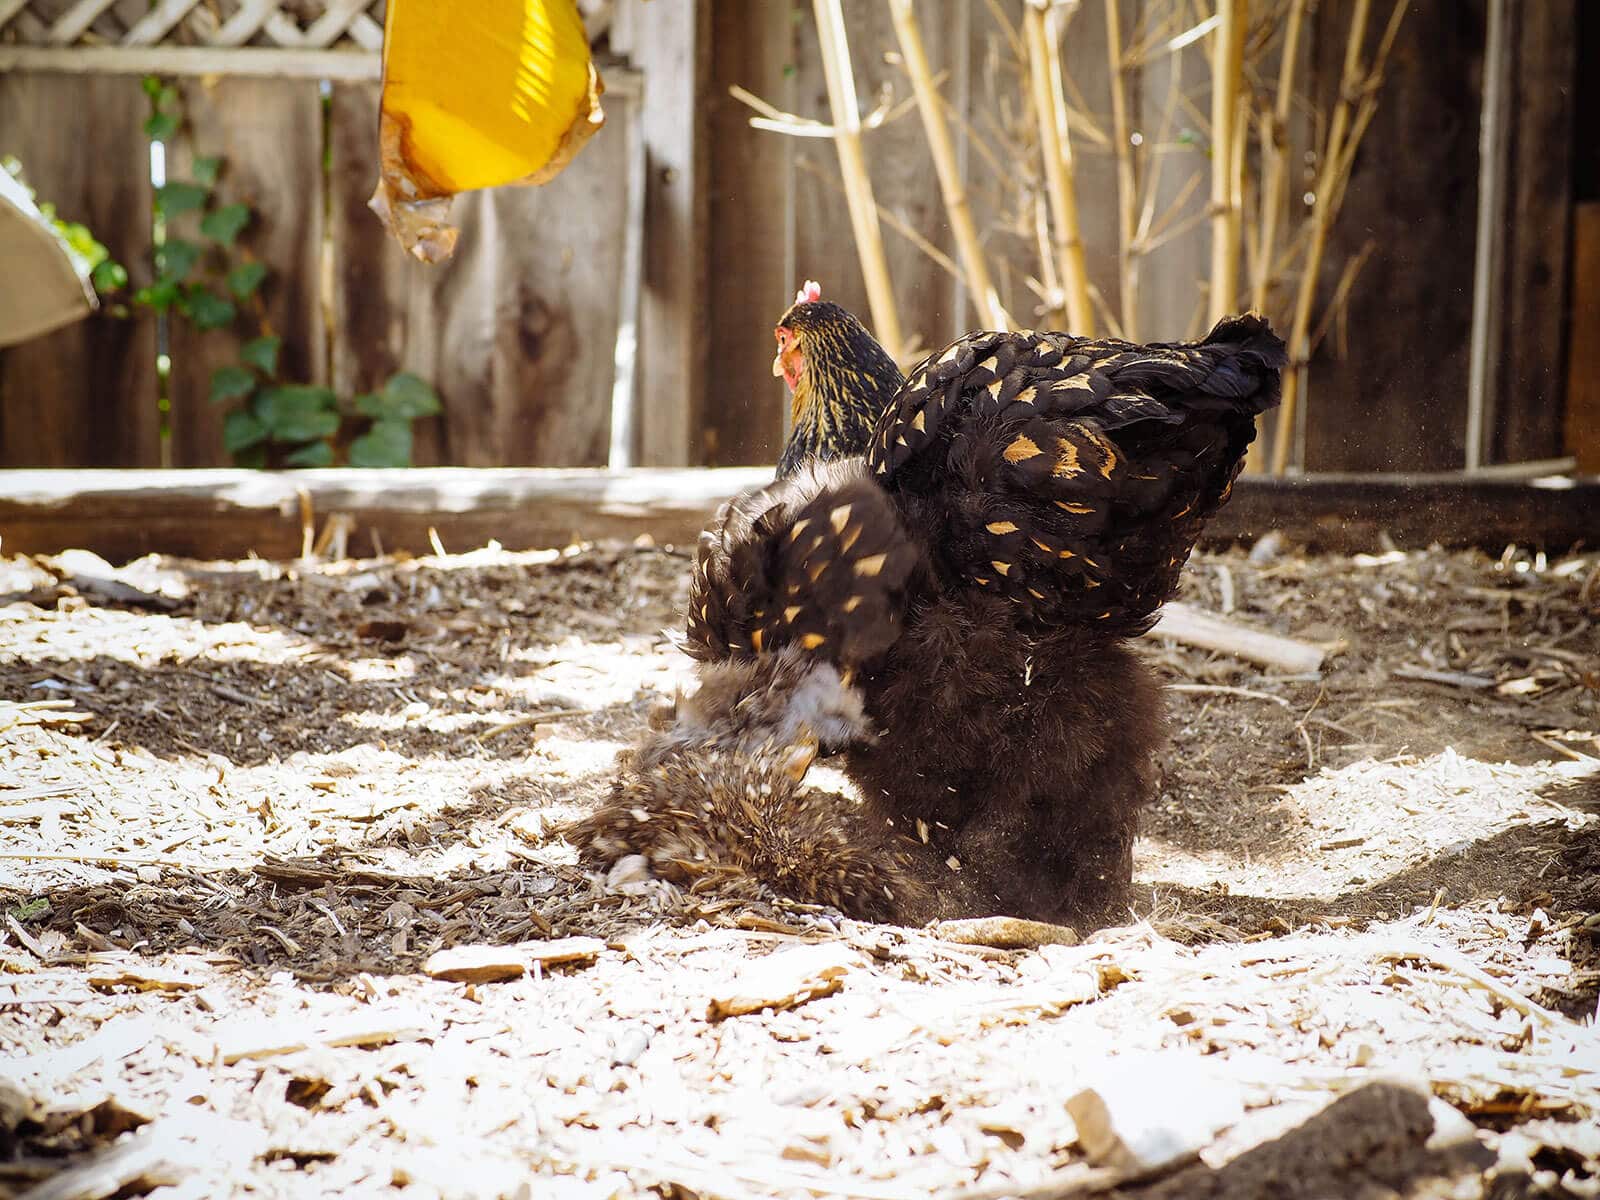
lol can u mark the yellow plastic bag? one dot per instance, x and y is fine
(475, 96)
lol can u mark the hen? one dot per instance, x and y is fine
(971, 547)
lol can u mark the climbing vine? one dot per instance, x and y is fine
(203, 276)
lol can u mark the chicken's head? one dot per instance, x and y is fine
(840, 378)
(790, 361)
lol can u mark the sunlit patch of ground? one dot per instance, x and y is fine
(234, 827)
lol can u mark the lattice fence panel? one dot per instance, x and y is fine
(282, 24)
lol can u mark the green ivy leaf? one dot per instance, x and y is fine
(223, 224)
(386, 444)
(312, 454)
(175, 258)
(245, 278)
(207, 309)
(175, 198)
(109, 276)
(298, 412)
(404, 398)
(159, 127)
(205, 170)
(241, 430)
(231, 383)
(262, 353)
(252, 456)
(152, 85)
(161, 295)
(166, 97)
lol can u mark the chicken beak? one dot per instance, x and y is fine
(777, 364)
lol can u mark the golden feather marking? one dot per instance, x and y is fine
(793, 611)
(1104, 445)
(871, 565)
(839, 518)
(812, 640)
(1021, 450)
(1066, 464)
(1001, 527)
(1003, 567)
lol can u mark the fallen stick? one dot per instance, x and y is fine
(1195, 627)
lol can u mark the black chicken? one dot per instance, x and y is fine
(971, 548)
(1019, 507)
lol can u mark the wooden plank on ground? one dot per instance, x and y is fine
(1387, 391)
(1583, 363)
(517, 331)
(269, 134)
(749, 238)
(1538, 237)
(85, 395)
(228, 513)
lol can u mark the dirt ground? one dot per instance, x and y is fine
(242, 805)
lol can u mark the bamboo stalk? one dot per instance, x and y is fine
(1274, 150)
(1227, 55)
(1338, 159)
(1057, 151)
(976, 270)
(852, 166)
(1127, 185)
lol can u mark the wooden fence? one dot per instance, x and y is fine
(680, 232)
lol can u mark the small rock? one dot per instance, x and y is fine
(1267, 548)
(1146, 1112)
(629, 1045)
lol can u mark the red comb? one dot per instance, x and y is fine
(810, 294)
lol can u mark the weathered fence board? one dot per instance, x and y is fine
(1583, 358)
(670, 44)
(85, 395)
(752, 218)
(1538, 236)
(517, 331)
(269, 133)
(1391, 395)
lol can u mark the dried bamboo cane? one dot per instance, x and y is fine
(1127, 184)
(852, 166)
(1048, 104)
(1274, 150)
(984, 296)
(1274, 191)
(1227, 59)
(1338, 159)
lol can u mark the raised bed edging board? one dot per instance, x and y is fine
(230, 513)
